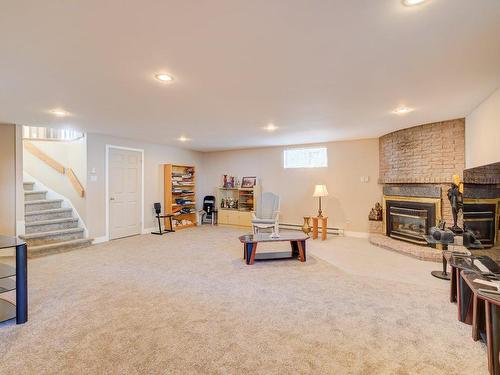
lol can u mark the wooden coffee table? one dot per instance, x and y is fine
(297, 243)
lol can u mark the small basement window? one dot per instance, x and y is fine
(306, 158)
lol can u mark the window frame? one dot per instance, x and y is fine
(309, 166)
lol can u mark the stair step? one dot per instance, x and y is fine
(35, 195)
(55, 213)
(51, 225)
(44, 204)
(28, 185)
(45, 238)
(57, 247)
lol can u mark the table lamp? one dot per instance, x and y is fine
(320, 191)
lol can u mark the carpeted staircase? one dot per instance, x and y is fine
(50, 228)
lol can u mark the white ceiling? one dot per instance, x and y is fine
(319, 70)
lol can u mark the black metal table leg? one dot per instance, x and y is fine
(21, 284)
(443, 275)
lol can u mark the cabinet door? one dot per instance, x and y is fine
(222, 218)
(245, 219)
(232, 217)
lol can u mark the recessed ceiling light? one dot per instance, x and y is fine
(183, 139)
(402, 110)
(270, 127)
(59, 112)
(410, 3)
(163, 77)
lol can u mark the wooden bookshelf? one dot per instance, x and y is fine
(180, 187)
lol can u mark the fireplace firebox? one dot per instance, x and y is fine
(409, 220)
(480, 218)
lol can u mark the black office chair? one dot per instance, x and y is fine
(157, 207)
(209, 212)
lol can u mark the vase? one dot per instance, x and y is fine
(306, 228)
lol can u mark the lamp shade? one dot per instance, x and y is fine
(320, 191)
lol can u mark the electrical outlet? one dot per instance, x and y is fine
(364, 179)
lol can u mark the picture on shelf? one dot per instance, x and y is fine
(248, 182)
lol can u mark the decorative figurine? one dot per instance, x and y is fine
(376, 213)
(455, 195)
(224, 183)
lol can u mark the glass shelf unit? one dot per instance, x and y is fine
(13, 277)
(236, 205)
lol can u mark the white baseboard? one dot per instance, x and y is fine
(349, 233)
(100, 239)
(20, 227)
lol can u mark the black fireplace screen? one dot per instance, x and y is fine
(409, 221)
(480, 219)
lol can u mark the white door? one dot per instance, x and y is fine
(125, 192)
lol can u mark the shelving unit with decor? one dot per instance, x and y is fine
(180, 188)
(241, 213)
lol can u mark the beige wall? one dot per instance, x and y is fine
(482, 133)
(349, 200)
(70, 155)
(7, 179)
(19, 181)
(154, 156)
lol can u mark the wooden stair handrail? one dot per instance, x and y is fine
(75, 182)
(35, 151)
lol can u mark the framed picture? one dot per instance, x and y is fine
(248, 182)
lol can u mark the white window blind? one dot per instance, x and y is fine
(306, 158)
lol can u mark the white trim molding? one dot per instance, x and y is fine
(20, 227)
(100, 240)
(141, 151)
(349, 233)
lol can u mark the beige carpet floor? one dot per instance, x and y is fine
(185, 303)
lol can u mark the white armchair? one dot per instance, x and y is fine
(267, 215)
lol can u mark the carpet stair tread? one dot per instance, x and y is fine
(51, 233)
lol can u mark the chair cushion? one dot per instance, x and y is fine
(263, 221)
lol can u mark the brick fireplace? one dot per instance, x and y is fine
(416, 168)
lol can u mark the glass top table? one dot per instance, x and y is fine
(8, 242)
(14, 277)
(297, 243)
(266, 237)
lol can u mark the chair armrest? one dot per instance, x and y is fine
(275, 215)
(253, 215)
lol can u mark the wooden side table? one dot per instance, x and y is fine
(324, 224)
